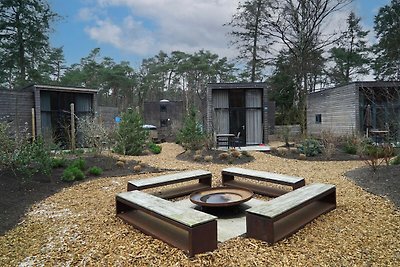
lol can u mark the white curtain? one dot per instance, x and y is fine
(254, 126)
(221, 111)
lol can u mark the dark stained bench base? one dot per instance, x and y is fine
(181, 178)
(257, 188)
(192, 240)
(229, 174)
(274, 229)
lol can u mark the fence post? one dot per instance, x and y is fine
(33, 125)
(73, 146)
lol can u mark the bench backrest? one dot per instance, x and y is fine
(286, 179)
(288, 201)
(165, 208)
(169, 178)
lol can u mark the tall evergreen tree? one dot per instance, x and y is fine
(250, 35)
(24, 30)
(351, 55)
(387, 28)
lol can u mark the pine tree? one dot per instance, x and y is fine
(251, 37)
(387, 28)
(24, 30)
(351, 55)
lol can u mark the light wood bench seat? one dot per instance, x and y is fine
(204, 178)
(185, 228)
(284, 215)
(228, 179)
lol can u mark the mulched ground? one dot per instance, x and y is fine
(385, 181)
(77, 225)
(17, 196)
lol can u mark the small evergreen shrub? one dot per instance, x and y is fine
(95, 171)
(131, 136)
(68, 176)
(72, 173)
(79, 163)
(310, 147)
(58, 163)
(154, 148)
(191, 136)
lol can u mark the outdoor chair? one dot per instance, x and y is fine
(237, 141)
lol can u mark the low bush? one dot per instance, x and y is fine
(352, 144)
(154, 148)
(310, 147)
(95, 171)
(79, 163)
(71, 174)
(58, 163)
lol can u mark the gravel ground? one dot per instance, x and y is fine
(78, 226)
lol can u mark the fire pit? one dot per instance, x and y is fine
(221, 197)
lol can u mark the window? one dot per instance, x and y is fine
(318, 119)
(163, 123)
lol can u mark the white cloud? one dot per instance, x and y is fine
(185, 25)
(130, 36)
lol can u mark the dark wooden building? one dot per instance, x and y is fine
(234, 108)
(355, 108)
(50, 105)
(166, 115)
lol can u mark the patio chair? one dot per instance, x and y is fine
(237, 141)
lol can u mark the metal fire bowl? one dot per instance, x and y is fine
(221, 197)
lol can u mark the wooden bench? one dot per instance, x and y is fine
(185, 228)
(228, 179)
(284, 215)
(204, 178)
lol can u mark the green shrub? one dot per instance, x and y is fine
(191, 136)
(72, 173)
(131, 136)
(350, 148)
(310, 147)
(154, 148)
(58, 163)
(68, 176)
(31, 158)
(95, 171)
(79, 163)
(395, 160)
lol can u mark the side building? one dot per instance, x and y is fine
(356, 108)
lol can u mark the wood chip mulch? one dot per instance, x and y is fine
(78, 226)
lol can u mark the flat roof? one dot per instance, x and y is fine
(61, 88)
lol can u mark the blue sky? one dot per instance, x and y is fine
(131, 30)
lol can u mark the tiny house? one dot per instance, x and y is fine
(359, 107)
(48, 105)
(241, 109)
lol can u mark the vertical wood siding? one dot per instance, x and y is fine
(16, 109)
